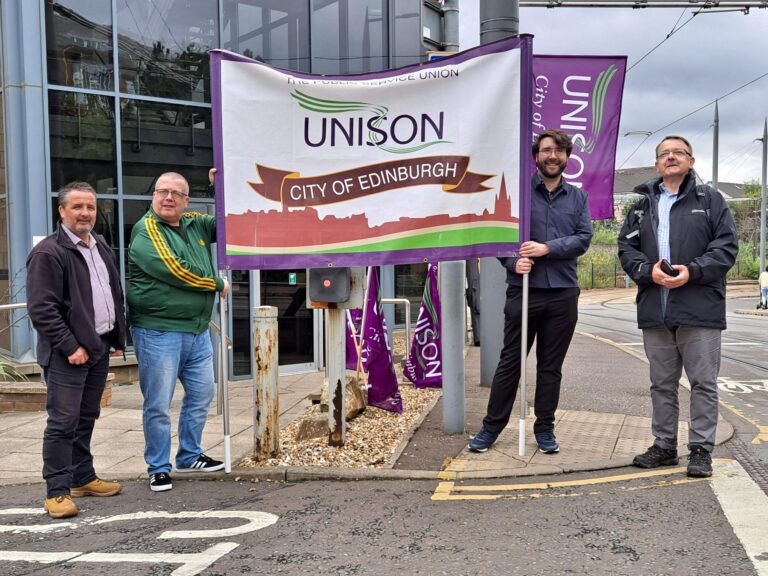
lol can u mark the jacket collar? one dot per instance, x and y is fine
(652, 186)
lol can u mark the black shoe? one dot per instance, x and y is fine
(160, 482)
(203, 464)
(655, 457)
(699, 463)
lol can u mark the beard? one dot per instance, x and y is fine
(552, 168)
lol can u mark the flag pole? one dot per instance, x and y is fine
(224, 355)
(523, 359)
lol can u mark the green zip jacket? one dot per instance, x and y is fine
(171, 280)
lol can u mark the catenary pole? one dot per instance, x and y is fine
(763, 195)
(451, 282)
(498, 19)
(715, 147)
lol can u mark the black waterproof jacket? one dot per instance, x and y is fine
(60, 301)
(702, 236)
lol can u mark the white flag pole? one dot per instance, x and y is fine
(523, 359)
(224, 355)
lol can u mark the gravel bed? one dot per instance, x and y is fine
(371, 440)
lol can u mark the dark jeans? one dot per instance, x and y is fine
(552, 316)
(73, 403)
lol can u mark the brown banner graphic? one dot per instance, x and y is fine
(294, 191)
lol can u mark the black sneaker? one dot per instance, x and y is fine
(203, 464)
(160, 482)
(655, 457)
(547, 443)
(699, 463)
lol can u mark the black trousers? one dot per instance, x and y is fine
(73, 403)
(552, 316)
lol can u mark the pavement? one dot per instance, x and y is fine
(603, 422)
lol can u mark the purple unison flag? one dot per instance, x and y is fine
(383, 388)
(354, 316)
(424, 366)
(581, 95)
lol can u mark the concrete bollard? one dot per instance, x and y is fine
(266, 414)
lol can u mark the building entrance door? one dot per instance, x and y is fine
(287, 291)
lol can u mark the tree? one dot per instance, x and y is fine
(752, 189)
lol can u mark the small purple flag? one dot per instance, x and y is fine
(354, 318)
(383, 388)
(424, 366)
(582, 96)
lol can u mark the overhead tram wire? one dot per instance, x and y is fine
(667, 37)
(699, 109)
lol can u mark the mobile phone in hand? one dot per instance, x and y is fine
(666, 267)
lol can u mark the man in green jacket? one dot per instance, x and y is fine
(171, 290)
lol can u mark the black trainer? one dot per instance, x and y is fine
(699, 463)
(160, 482)
(203, 464)
(655, 457)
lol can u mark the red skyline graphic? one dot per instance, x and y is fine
(275, 228)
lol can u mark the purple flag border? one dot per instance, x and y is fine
(523, 42)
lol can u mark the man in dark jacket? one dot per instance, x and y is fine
(561, 230)
(681, 311)
(75, 303)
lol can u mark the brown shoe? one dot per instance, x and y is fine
(60, 507)
(97, 487)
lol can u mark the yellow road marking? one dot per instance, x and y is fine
(449, 490)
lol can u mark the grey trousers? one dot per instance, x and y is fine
(669, 350)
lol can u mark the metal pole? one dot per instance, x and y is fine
(451, 282)
(498, 19)
(224, 384)
(763, 195)
(523, 362)
(715, 146)
(451, 25)
(336, 355)
(266, 413)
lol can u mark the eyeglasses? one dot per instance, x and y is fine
(550, 151)
(673, 153)
(162, 192)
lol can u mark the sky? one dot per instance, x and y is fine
(710, 56)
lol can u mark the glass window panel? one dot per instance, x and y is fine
(287, 291)
(408, 45)
(273, 31)
(79, 43)
(241, 323)
(5, 287)
(349, 37)
(159, 138)
(82, 137)
(409, 283)
(163, 47)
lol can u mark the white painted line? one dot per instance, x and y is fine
(39, 557)
(254, 521)
(746, 507)
(39, 528)
(191, 564)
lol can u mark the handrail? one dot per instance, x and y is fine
(18, 305)
(407, 319)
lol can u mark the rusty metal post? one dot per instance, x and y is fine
(336, 357)
(266, 414)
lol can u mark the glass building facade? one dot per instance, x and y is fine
(122, 94)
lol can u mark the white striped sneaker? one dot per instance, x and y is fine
(203, 464)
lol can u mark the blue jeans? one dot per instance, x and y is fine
(163, 357)
(764, 296)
